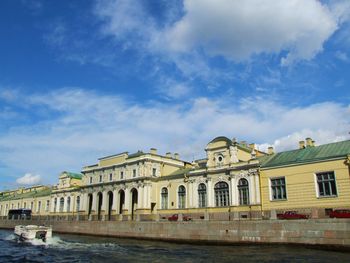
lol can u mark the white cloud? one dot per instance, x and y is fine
(236, 30)
(240, 29)
(29, 179)
(84, 126)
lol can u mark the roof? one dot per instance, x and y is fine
(221, 138)
(134, 155)
(30, 194)
(308, 154)
(74, 175)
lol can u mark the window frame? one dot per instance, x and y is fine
(272, 192)
(318, 192)
(181, 197)
(222, 199)
(202, 195)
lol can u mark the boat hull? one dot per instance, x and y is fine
(31, 232)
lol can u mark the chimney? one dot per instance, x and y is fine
(153, 151)
(168, 154)
(270, 150)
(309, 142)
(252, 146)
(301, 144)
(176, 156)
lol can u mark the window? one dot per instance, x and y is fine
(100, 178)
(31, 205)
(243, 192)
(326, 184)
(47, 205)
(134, 173)
(78, 203)
(55, 205)
(110, 177)
(25, 205)
(68, 204)
(202, 195)
(221, 194)
(90, 179)
(164, 195)
(182, 196)
(39, 206)
(61, 204)
(154, 172)
(121, 175)
(278, 189)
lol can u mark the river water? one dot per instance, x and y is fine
(74, 248)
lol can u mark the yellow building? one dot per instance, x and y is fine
(234, 182)
(311, 179)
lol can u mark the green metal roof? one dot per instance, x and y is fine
(74, 175)
(222, 138)
(308, 154)
(134, 155)
(31, 194)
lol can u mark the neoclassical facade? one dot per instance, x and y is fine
(235, 181)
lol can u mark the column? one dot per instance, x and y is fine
(115, 205)
(104, 201)
(252, 190)
(127, 205)
(140, 196)
(234, 193)
(257, 188)
(210, 191)
(65, 204)
(94, 202)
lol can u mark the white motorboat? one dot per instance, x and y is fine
(31, 232)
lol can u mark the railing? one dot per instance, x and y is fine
(182, 215)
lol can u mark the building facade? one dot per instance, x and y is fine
(235, 181)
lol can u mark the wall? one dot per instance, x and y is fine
(301, 186)
(327, 232)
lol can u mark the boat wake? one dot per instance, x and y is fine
(58, 243)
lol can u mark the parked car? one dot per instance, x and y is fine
(175, 217)
(340, 213)
(292, 215)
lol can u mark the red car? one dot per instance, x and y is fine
(340, 213)
(292, 215)
(175, 217)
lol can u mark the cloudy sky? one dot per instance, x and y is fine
(80, 80)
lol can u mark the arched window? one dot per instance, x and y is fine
(78, 203)
(182, 196)
(61, 204)
(202, 195)
(164, 198)
(243, 192)
(221, 194)
(68, 204)
(47, 205)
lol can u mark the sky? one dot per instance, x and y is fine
(84, 79)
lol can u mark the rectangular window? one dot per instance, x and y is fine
(121, 175)
(100, 178)
(154, 172)
(47, 205)
(90, 180)
(278, 189)
(326, 184)
(110, 177)
(134, 173)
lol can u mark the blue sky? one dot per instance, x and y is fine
(80, 80)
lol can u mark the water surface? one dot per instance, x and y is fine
(74, 248)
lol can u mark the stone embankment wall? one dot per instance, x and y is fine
(325, 232)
